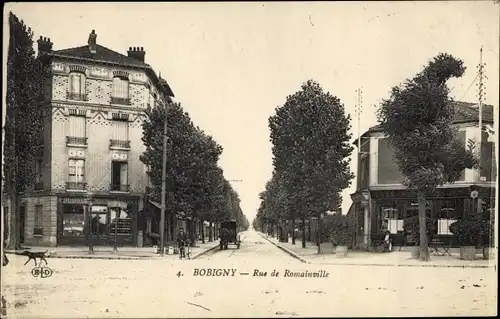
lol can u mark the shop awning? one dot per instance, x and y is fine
(156, 204)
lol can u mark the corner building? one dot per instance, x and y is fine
(90, 179)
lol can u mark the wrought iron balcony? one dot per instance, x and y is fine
(120, 100)
(38, 186)
(76, 96)
(120, 187)
(119, 144)
(80, 186)
(73, 140)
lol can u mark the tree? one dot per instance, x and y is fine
(195, 184)
(24, 118)
(191, 153)
(311, 149)
(417, 119)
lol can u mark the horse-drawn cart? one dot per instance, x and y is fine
(229, 235)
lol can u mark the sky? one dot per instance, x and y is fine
(231, 64)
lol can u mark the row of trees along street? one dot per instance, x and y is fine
(195, 183)
(310, 137)
(311, 149)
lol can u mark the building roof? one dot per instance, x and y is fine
(465, 112)
(102, 54)
(105, 55)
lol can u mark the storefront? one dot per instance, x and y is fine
(386, 210)
(100, 219)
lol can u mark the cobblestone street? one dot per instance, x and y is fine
(154, 288)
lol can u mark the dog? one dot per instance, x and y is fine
(5, 261)
(34, 255)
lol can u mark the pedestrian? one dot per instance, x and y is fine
(182, 240)
(387, 241)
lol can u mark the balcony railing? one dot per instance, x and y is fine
(38, 186)
(120, 187)
(120, 100)
(76, 96)
(73, 140)
(80, 186)
(119, 144)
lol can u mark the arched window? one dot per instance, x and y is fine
(120, 91)
(77, 89)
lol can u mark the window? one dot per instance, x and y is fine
(38, 170)
(388, 170)
(462, 139)
(77, 87)
(38, 228)
(449, 211)
(119, 176)
(76, 174)
(120, 130)
(77, 126)
(391, 219)
(120, 91)
(73, 220)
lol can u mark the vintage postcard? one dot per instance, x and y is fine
(249, 159)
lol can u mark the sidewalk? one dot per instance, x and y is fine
(363, 258)
(106, 252)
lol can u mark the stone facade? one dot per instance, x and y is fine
(96, 108)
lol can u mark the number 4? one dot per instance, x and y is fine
(179, 274)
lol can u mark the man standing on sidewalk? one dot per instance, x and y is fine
(182, 240)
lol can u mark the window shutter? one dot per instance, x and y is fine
(75, 83)
(80, 170)
(120, 88)
(72, 171)
(124, 174)
(77, 126)
(120, 130)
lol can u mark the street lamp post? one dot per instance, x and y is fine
(89, 208)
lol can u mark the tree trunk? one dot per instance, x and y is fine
(193, 232)
(15, 224)
(210, 231)
(293, 231)
(309, 232)
(318, 230)
(303, 230)
(424, 248)
(202, 230)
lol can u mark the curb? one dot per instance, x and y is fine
(409, 265)
(117, 257)
(205, 252)
(291, 253)
(373, 264)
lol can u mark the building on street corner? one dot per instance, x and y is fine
(381, 202)
(90, 177)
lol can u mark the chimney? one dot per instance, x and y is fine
(136, 53)
(92, 42)
(44, 45)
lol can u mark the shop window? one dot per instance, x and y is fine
(73, 220)
(391, 220)
(38, 225)
(449, 212)
(122, 220)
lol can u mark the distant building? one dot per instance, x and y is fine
(90, 173)
(381, 202)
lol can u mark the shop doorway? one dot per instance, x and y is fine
(99, 221)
